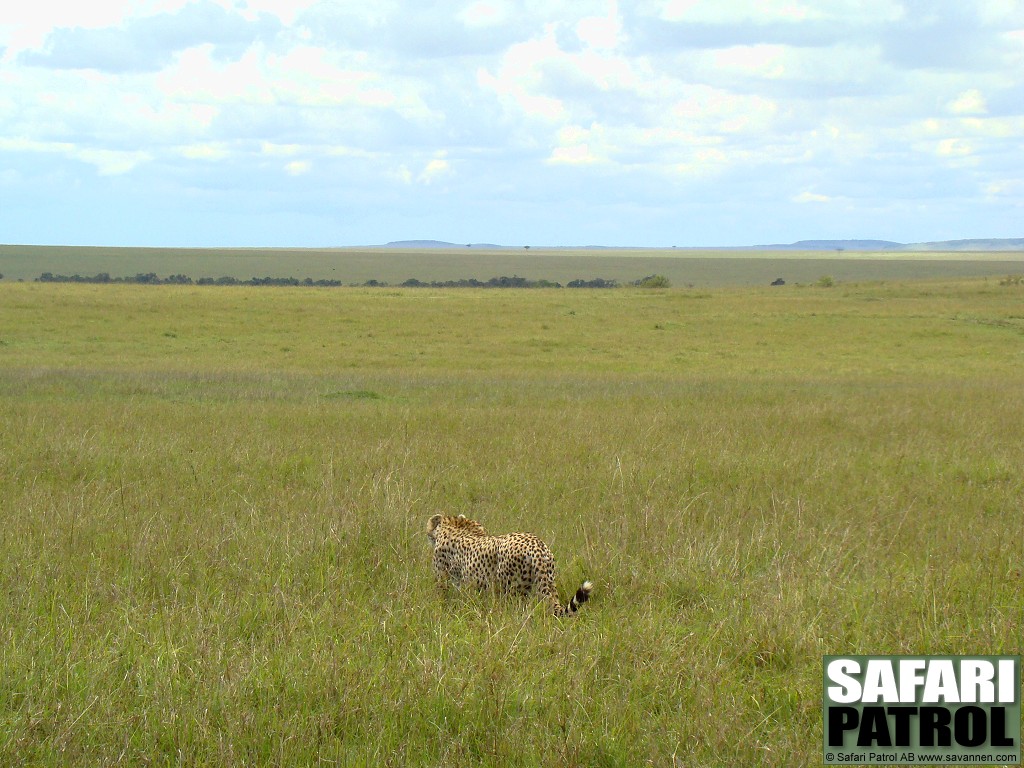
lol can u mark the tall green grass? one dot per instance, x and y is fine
(212, 506)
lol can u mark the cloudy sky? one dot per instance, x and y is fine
(654, 122)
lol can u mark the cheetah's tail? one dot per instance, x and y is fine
(581, 596)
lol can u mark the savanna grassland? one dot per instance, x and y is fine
(701, 268)
(212, 503)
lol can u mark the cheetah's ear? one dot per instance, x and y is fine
(433, 522)
(462, 517)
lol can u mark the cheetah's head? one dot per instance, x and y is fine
(432, 525)
(460, 525)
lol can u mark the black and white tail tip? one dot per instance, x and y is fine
(581, 596)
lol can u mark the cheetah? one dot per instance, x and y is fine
(515, 563)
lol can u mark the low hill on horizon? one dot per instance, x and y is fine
(990, 244)
(437, 244)
(981, 244)
(835, 245)
(978, 244)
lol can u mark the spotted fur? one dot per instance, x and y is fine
(515, 563)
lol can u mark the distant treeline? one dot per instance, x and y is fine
(151, 278)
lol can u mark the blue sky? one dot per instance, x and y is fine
(649, 123)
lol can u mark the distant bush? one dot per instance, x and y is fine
(597, 282)
(653, 281)
(150, 278)
(495, 282)
(503, 282)
(825, 281)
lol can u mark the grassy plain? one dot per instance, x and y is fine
(693, 267)
(212, 505)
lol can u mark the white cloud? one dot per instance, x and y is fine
(197, 78)
(280, 150)
(980, 129)
(1012, 189)
(437, 167)
(107, 162)
(341, 150)
(25, 26)
(518, 78)
(211, 151)
(969, 102)
(484, 13)
(710, 11)
(575, 146)
(150, 41)
(402, 174)
(954, 148)
(298, 167)
(719, 110)
(705, 162)
(287, 11)
(1000, 11)
(111, 162)
(790, 11)
(576, 154)
(755, 106)
(601, 31)
(760, 61)
(993, 127)
(811, 197)
(303, 76)
(819, 72)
